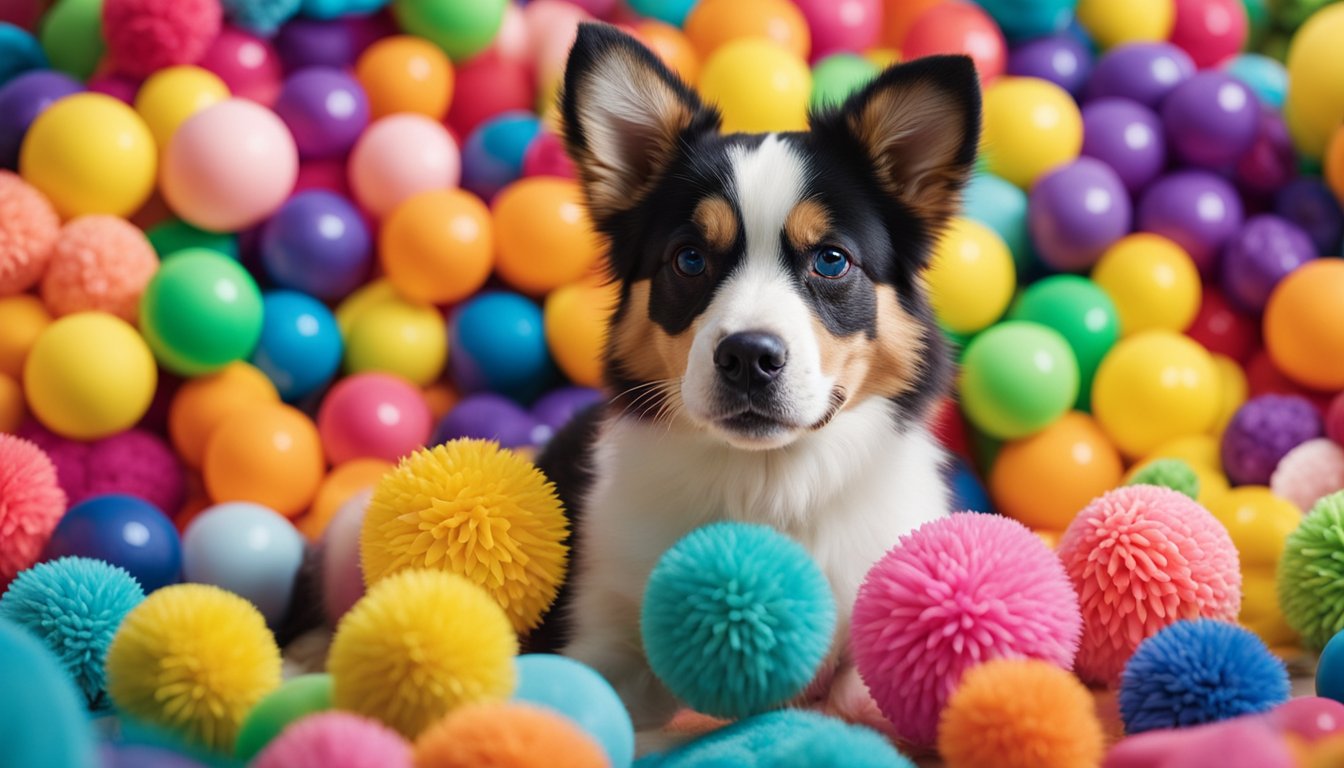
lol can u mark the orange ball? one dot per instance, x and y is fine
(202, 404)
(543, 237)
(270, 454)
(12, 408)
(671, 46)
(712, 23)
(506, 735)
(576, 328)
(440, 398)
(897, 18)
(437, 247)
(1333, 163)
(23, 317)
(1044, 480)
(1304, 325)
(343, 482)
(405, 74)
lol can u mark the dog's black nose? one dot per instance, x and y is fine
(750, 358)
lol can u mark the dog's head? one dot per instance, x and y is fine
(768, 281)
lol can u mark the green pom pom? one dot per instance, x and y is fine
(1311, 574)
(1169, 473)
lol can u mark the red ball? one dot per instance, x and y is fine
(949, 426)
(247, 64)
(1264, 379)
(486, 86)
(1223, 330)
(958, 27)
(147, 35)
(1211, 31)
(1334, 419)
(546, 156)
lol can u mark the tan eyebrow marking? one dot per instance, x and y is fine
(717, 222)
(807, 224)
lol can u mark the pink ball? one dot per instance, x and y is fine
(31, 504)
(1211, 31)
(512, 41)
(229, 166)
(546, 156)
(1334, 415)
(99, 264)
(248, 64)
(147, 35)
(400, 156)
(841, 25)
(1310, 471)
(551, 28)
(954, 593)
(373, 415)
(29, 227)
(1310, 717)
(1142, 557)
(335, 740)
(342, 577)
(119, 87)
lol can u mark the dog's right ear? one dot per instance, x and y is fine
(624, 115)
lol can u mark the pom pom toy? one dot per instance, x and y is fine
(1263, 431)
(297, 698)
(1311, 574)
(29, 227)
(194, 659)
(263, 17)
(74, 606)
(99, 263)
(507, 736)
(1196, 672)
(1019, 713)
(793, 738)
(1309, 472)
(955, 593)
(1142, 557)
(736, 619)
(147, 35)
(44, 719)
(419, 644)
(135, 462)
(1168, 473)
(336, 740)
(582, 695)
(31, 504)
(471, 508)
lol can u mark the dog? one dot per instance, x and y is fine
(773, 357)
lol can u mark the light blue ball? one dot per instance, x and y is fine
(498, 344)
(300, 347)
(19, 52)
(493, 154)
(1001, 206)
(330, 9)
(673, 12)
(784, 739)
(1266, 77)
(248, 549)
(42, 717)
(583, 696)
(1027, 19)
(263, 17)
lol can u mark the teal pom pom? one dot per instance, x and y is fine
(74, 605)
(263, 17)
(784, 739)
(736, 619)
(1169, 473)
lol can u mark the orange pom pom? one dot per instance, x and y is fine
(506, 736)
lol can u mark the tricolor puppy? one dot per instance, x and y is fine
(774, 357)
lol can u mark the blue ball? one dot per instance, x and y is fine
(74, 606)
(263, 17)
(736, 619)
(1026, 19)
(672, 12)
(582, 695)
(42, 717)
(317, 243)
(1001, 206)
(1266, 77)
(493, 154)
(125, 531)
(330, 9)
(499, 344)
(1199, 671)
(968, 493)
(1330, 670)
(248, 549)
(19, 52)
(784, 739)
(300, 348)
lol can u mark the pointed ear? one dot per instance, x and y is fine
(624, 114)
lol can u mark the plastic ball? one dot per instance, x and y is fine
(837, 27)
(394, 336)
(1142, 72)
(1308, 203)
(174, 235)
(582, 695)
(336, 740)
(246, 63)
(344, 482)
(1222, 328)
(400, 156)
(247, 549)
(200, 312)
(672, 12)
(308, 42)
(1316, 99)
(1082, 313)
(1126, 136)
(1017, 378)
(1303, 330)
(325, 110)
(19, 52)
(12, 408)
(1266, 249)
(1060, 58)
(270, 455)
(539, 216)
(172, 95)
(1309, 472)
(492, 156)
(576, 318)
(958, 28)
(47, 723)
(1211, 31)
(713, 24)
(1210, 119)
(300, 348)
(836, 77)
(1112, 25)
(98, 263)
(1329, 670)
(557, 408)
(1153, 387)
(29, 230)
(21, 101)
(1152, 282)
(551, 27)
(462, 31)
(374, 415)
(489, 85)
(1264, 378)
(33, 504)
(1311, 718)
(144, 35)
(72, 36)
(758, 85)
(1031, 127)
(438, 246)
(499, 344)
(125, 531)
(317, 243)
(672, 47)
(506, 734)
(89, 153)
(1266, 77)
(1045, 479)
(487, 416)
(342, 579)
(1002, 206)
(1309, 572)
(24, 317)
(118, 86)
(205, 403)
(913, 644)
(971, 276)
(264, 17)
(1077, 211)
(193, 659)
(1334, 165)
(293, 701)
(1197, 210)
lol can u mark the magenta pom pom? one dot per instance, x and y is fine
(146, 35)
(1309, 472)
(954, 593)
(1142, 557)
(134, 462)
(335, 740)
(31, 504)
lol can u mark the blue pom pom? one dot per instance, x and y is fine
(74, 606)
(1196, 672)
(19, 52)
(263, 17)
(784, 739)
(736, 619)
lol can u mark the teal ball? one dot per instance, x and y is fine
(42, 716)
(784, 739)
(582, 695)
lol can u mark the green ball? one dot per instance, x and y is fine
(173, 235)
(1169, 473)
(837, 76)
(1082, 313)
(461, 29)
(1310, 581)
(298, 697)
(1017, 378)
(72, 36)
(200, 312)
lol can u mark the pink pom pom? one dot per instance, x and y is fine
(335, 740)
(28, 229)
(99, 263)
(146, 35)
(31, 504)
(135, 462)
(954, 593)
(1242, 742)
(1309, 472)
(1143, 557)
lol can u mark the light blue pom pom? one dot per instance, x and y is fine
(263, 17)
(784, 739)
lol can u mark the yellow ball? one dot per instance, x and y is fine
(759, 86)
(1153, 387)
(172, 95)
(1258, 522)
(1260, 611)
(576, 327)
(90, 153)
(1031, 126)
(1110, 23)
(1315, 103)
(395, 336)
(89, 375)
(1233, 390)
(370, 294)
(971, 278)
(23, 319)
(1152, 281)
(1202, 454)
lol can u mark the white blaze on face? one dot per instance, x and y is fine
(760, 295)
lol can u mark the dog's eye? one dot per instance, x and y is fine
(830, 263)
(689, 262)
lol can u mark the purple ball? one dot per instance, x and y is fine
(21, 101)
(137, 756)
(1309, 203)
(492, 157)
(317, 243)
(1261, 254)
(556, 408)
(1198, 210)
(304, 43)
(1142, 72)
(1076, 211)
(325, 109)
(1270, 162)
(1127, 136)
(1210, 119)
(1062, 59)
(487, 416)
(1262, 431)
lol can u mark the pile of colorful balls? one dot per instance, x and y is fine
(283, 282)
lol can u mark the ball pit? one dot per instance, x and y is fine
(1152, 282)
(267, 454)
(439, 246)
(247, 549)
(1031, 126)
(582, 695)
(171, 95)
(200, 312)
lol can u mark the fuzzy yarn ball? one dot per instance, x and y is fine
(263, 17)
(506, 735)
(144, 36)
(99, 264)
(471, 508)
(736, 619)
(29, 227)
(1168, 473)
(1201, 671)
(336, 740)
(135, 462)
(955, 593)
(31, 504)
(1310, 580)
(193, 659)
(787, 738)
(1140, 558)
(1019, 713)
(418, 645)
(1309, 473)
(74, 605)
(1262, 431)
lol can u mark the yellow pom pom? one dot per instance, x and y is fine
(194, 659)
(419, 644)
(471, 508)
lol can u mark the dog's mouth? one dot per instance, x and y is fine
(754, 423)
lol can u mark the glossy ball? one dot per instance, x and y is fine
(405, 74)
(1210, 119)
(170, 96)
(21, 101)
(1330, 669)
(247, 549)
(317, 243)
(1113, 26)
(1032, 126)
(325, 110)
(759, 86)
(547, 156)
(959, 28)
(499, 344)
(1266, 250)
(246, 63)
(400, 156)
(125, 531)
(336, 740)
(1126, 136)
(374, 415)
(713, 24)
(1144, 72)
(1308, 203)
(200, 312)
(1316, 99)
(1082, 313)
(461, 30)
(970, 277)
(1062, 59)
(837, 77)
(576, 318)
(270, 455)
(19, 52)
(1266, 77)
(672, 47)
(1197, 210)
(346, 481)
(1077, 211)
(1153, 387)
(1152, 282)
(40, 701)
(837, 27)
(489, 85)
(487, 416)
(205, 403)
(1303, 330)
(173, 235)
(1002, 206)
(392, 335)
(1211, 31)
(1045, 479)
(582, 695)
(438, 247)
(492, 156)
(1017, 378)
(294, 700)
(300, 348)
